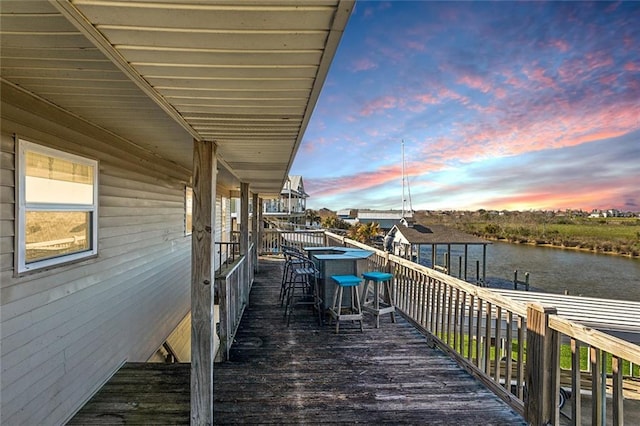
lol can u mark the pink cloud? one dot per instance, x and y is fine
(363, 64)
(631, 66)
(379, 104)
(414, 45)
(475, 83)
(608, 79)
(561, 45)
(426, 98)
(555, 198)
(598, 60)
(538, 75)
(517, 128)
(450, 94)
(358, 182)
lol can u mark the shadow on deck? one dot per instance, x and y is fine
(308, 374)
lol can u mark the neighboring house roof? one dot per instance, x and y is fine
(383, 223)
(436, 234)
(350, 213)
(296, 187)
(380, 214)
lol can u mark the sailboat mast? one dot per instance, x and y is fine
(403, 200)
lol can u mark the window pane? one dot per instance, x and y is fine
(188, 205)
(57, 180)
(50, 234)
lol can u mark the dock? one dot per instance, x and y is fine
(306, 373)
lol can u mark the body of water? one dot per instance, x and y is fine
(551, 270)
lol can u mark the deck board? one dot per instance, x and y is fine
(307, 374)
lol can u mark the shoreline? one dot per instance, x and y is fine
(551, 245)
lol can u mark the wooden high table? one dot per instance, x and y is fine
(336, 261)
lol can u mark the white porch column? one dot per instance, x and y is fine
(202, 282)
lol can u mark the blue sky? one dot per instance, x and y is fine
(501, 105)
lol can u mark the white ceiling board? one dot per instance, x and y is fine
(213, 56)
(207, 16)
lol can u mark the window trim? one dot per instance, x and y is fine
(21, 265)
(188, 231)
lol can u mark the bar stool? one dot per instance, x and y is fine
(373, 306)
(304, 279)
(355, 310)
(292, 261)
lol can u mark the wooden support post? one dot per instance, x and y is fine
(244, 218)
(434, 257)
(202, 282)
(254, 229)
(542, 368)
(260, 238)
(484, 265)
(466, 256)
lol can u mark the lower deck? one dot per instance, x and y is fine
(308, 374)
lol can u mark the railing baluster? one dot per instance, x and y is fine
(455, 319)
(576, 409)
(617, 405)
(449, 311)
(439, 307)
(520, 374)
(498, 345)
(596, 385)
(470, 328)
(434, 303)
(487, 338)
(478, 334)
(425, 292)
(463, 303)
(414, 294)
(508, 352)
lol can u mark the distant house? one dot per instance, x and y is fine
(386, 219)
(289, 206)
(347, 214)
(405, 239)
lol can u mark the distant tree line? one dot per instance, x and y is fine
(364, 233)
(568, 229)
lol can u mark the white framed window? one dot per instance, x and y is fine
(57, 207)
(188, 210)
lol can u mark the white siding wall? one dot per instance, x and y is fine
(65, 331)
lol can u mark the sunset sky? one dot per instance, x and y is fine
(503, 105)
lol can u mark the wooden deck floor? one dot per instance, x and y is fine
(308, 374)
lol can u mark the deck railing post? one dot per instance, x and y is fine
(542, 368)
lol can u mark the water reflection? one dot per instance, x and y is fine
(551, 270)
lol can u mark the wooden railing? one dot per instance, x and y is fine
(612, 369)
(515, 349)
(273, 240)
(233, 286)
(227, 253)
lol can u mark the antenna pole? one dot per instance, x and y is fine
(403, 200)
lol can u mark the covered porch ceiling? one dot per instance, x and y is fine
(162, 73)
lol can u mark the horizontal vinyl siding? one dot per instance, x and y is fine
(66, 330)
(180, 340)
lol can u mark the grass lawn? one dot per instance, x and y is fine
(565, 355)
